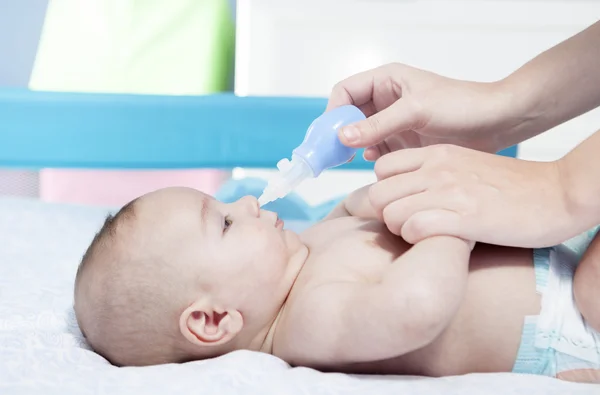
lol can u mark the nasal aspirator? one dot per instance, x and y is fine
(320, 150)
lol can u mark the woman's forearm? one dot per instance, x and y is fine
(554, 87)
(580, 173)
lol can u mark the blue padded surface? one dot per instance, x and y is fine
(119, 131)
(44, 129)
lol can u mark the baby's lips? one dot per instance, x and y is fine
(272, 216)
(279, 223)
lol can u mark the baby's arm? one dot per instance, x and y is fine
(357, 204)
(351, 322)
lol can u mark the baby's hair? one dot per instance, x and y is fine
(127, 298)
(106, 232)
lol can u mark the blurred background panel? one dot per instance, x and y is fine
(20, 28)
(176, 47)
(286, 47)
(281, 47)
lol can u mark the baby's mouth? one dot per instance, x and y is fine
(279, 223)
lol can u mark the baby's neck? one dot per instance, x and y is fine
(267, 345)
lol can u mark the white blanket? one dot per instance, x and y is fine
(43, 352)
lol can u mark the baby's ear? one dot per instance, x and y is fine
(204, 325)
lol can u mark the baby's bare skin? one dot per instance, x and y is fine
(196, 278)
(483, 336)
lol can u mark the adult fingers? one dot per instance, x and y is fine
(383, 193)
(377, 151)
(368, 108)
(397, 117)
(356, 90)
(399, 211)
(371, 154)
(399, 162)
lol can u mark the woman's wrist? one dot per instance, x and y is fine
(554, 87)
(503, 115)
(518, 114)
(581, 189)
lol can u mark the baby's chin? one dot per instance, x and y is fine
(293, 240)
(291, 235)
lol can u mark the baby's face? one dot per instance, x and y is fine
(236, 252)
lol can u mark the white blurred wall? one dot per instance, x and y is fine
(302, 48)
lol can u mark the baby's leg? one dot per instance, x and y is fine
(586, 285)
(580, 376)
(586, 291)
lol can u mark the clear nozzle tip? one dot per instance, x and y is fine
(264, 199)
(290, 175)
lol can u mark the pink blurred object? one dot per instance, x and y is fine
(118, 187)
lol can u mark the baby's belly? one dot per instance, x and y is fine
(485, 334)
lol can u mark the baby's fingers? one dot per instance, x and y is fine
(429, 223)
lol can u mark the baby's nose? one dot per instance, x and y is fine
(251, 204)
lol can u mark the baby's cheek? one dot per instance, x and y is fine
(262, 243)
(267, 238)
(271, 251)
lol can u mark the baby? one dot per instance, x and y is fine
(178, 276)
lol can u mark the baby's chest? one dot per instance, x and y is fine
(351, 248)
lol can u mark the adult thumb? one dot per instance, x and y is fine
(396, 118)
(430, 223)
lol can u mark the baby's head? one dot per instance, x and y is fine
(176, 276)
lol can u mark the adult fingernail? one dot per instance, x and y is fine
(351, 133)
(371, 154)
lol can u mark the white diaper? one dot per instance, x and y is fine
(560, 327)
(558, 339)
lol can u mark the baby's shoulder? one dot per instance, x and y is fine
(339, 229)
(350, 249)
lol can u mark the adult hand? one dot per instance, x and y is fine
(407, 107)
(451, 190)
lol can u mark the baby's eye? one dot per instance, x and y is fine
(227, 223)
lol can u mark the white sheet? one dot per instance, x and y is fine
(42, 351)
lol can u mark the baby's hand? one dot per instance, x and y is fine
(357, 204)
